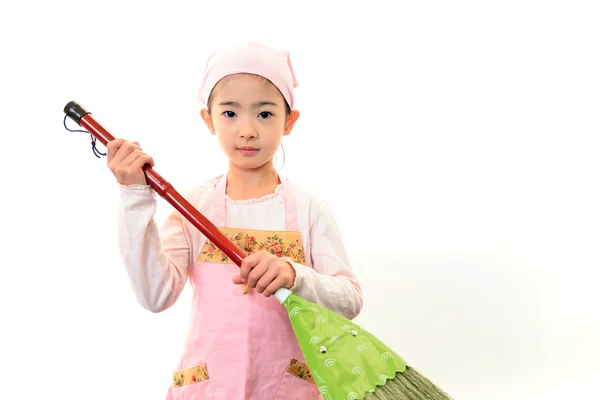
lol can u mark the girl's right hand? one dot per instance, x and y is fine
(125, 160)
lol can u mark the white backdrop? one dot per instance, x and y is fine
(463, 143)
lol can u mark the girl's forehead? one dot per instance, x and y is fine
(246, 86)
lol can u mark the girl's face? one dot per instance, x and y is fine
(248, 116)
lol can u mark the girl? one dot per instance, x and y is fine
(240, 344)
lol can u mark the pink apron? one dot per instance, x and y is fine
(241, 346)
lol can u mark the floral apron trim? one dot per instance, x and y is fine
(190, 376)
(300, 370)
(200, 373)
(282, 244)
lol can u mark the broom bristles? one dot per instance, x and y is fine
(408, 385)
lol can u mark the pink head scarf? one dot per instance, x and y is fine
(251, 58)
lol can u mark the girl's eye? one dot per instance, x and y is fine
(229, 114)
(264, 114)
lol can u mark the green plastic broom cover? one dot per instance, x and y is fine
(345, 361)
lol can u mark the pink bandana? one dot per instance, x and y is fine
(252, 58)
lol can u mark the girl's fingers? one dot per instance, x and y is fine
(245, 268)
(248, 263)
(126, 164)
(266, 279)
(139, 162)
(256, 273)
(276, 284)
(129, 171)
(121, 150)
(111, 149)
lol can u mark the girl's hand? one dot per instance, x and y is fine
(266, 273)
(125, 160)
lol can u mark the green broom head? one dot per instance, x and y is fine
(348, 363)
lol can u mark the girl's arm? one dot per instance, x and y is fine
(156, 261)
(330, 282)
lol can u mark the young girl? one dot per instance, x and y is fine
(240, 344)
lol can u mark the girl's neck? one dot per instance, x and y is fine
(251, 184)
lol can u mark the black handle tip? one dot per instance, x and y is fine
(75, 111)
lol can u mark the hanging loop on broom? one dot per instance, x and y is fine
(97, 152)
(84, 118)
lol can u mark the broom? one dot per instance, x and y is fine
(345, 361)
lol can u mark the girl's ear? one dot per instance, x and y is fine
(207, 120)
(291, 120)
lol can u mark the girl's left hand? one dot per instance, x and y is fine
(266, 273)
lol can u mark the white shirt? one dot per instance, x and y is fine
(157, 259)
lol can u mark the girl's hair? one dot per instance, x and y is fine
(287, 106)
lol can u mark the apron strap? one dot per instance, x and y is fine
(219, 204)
(289, 199)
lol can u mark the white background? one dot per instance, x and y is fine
(456, 142)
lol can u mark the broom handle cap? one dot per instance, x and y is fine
(75, 111)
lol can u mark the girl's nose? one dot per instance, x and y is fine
(248, 130)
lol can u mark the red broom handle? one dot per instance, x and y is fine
(161, 186)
